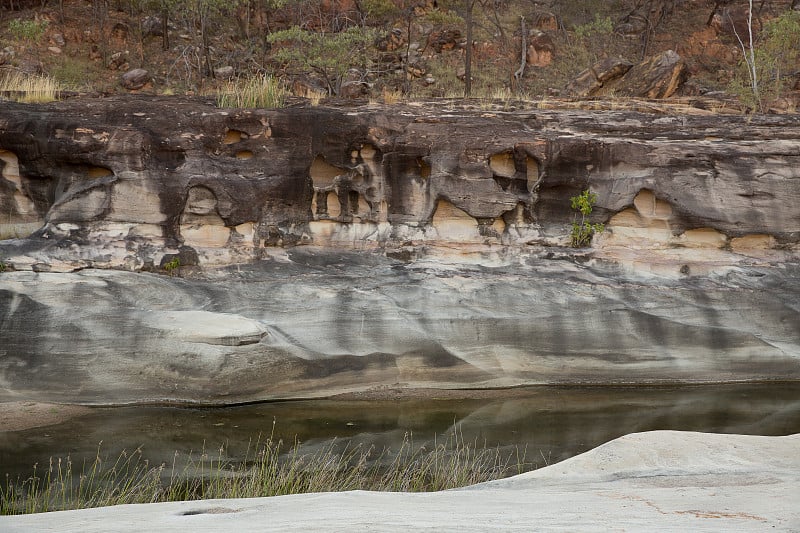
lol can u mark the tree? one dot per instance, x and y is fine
(767, 61)
(329, 55)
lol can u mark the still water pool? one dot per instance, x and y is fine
(548, 424)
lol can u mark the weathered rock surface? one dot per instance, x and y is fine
(656, 77)
(662, 480)
(591, 81)
(316, 322)
(122, 182)
(454, 218)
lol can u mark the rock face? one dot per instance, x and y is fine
(375, 246)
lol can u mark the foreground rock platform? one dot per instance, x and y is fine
(654, 481)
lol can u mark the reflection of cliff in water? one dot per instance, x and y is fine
(550, 423)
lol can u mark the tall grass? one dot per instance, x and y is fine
(257, 91)
(28, 88)
(269, 468)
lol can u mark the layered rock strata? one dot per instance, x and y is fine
(339, 249)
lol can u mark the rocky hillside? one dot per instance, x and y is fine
(397, 48)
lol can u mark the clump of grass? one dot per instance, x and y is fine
(257, 91)
(269, 470)
(29, 88)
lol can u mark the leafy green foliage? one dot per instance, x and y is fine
(599, 26)
(379, 9)
(172, 265)
(27, 30)
(776, 55)
(329, 55)
(583, 231)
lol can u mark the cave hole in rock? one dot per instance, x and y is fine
(502, 164)
(368, 152)
(453, 223)
(531, 173)
(649, 218)
(515, 171)
(333, 207)
(169, 159)
(19, 216)
(338, 192)
(98, 172)
(424, 168)
(323, 174)
(234, 136)
(352, 201)
(200, 224)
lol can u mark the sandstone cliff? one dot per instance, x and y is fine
(337, 249)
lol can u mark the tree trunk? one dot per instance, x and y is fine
(523, 56)
(164, 29)
(468, 56)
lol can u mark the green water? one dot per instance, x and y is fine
(548, 423)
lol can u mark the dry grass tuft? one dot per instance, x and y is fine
(267, 469)
(261, 91)
(28, 88)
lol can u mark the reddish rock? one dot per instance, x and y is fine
(657, 77)
(592, 80)
(444, 40)
(540, 49)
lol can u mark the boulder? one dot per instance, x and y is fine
(540, 49)
(657, 77)
(592, 80)
(224, 73)
(443, 40)
(135, 79)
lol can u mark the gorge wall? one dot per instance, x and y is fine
(324, 250)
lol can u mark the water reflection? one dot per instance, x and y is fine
(551, 423)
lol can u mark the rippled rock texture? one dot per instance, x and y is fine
(327, 250)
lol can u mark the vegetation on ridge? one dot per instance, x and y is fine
(420, 49)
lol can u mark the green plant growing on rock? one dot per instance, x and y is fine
(172, 266)
(583, 231)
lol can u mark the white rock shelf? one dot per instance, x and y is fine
(654, 481)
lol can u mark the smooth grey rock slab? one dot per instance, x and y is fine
(316, 323)
(655, 481)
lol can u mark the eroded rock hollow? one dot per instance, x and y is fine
(323, 250)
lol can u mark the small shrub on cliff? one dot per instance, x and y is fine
(172, 266)
(583, 231)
